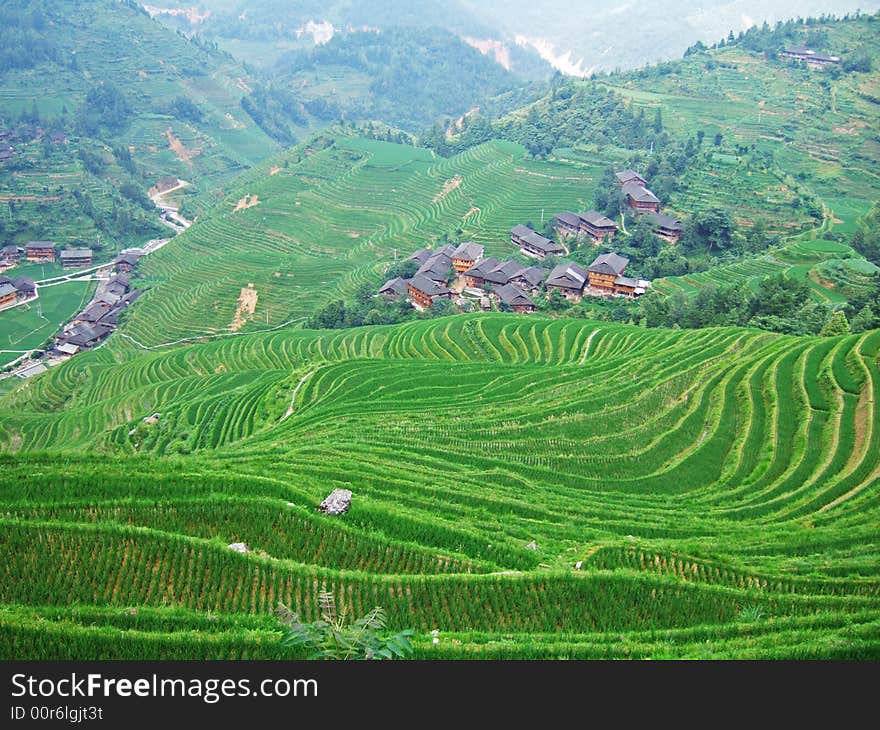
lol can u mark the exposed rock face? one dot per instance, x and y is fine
(337, 503)
(239, 547)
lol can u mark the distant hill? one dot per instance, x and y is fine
(574, 36)
(402, 76)
(107, 77)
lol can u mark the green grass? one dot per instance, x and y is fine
(22, 328)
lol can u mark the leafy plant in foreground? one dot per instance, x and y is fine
(331, 637)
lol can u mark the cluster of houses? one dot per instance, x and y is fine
(462, 273)
(99, 319)
(813, 59)
(643, 202)
(13, 291)
(44, 252)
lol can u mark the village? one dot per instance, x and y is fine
(463, 275)
(92, 325)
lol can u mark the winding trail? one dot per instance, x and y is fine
(299, 385)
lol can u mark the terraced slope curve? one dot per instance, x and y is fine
(718, 490)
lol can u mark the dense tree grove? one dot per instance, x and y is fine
(273, 109)
(780, 304)
(866, 240)
(23, 44)
(573, 113)
(106, 109)
(416, 75)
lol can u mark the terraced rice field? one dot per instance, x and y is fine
(701, 494)
(334, 218)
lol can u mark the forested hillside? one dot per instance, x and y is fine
(100, 101)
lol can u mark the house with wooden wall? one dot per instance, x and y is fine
(604, 271)
(76, 258)
(40, 251)
(466, 256)
(424, 291)
(569, 279)
(8, 295)
(666, 227)
(597, 226)
(515, 298)
(639, 198)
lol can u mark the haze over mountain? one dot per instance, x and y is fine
(575, 37)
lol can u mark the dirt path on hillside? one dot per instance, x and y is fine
(248, 201)
(471, 212)
(448, 187)
(247, 305)
(551, 177)
(183, 154)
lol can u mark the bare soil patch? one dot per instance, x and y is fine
(247, 305)
(248, 201)
(470, 213)
(274, 171)
(448, 187)
(183, 154)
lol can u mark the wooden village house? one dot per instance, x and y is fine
(569, 279)
(666, 227)
(40, 251)
(626, 177)
(515, 298)
(813, 59)
(466, 256)
(424, 291)
(76, 258)
(606, 278)
(395, 288)
(604, 271)
(597, 226)
(8, 295)
(639, 198)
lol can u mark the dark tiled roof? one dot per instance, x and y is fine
(396, 286)
(76, 253)
(626, 281)
(513, 296)
(533, 275)
(539, 242)
(609, 263)
(597, 219)
(437, 267)
(520, 230)
(640, 193)
(126, 258)
(568, 275)
(6, 290)
(503, 272)
(39, 245)
(626, 175)
(665, 221)
(571, 219)
(427, 286)
(482, 268)
(468, 250)
(23, 283)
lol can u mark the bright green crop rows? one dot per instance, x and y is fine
(719, 489)
(330, 219)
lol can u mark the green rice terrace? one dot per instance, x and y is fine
(529, 487)
(317, 222)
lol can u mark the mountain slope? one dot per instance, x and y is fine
(108, 76)
(733, 502)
